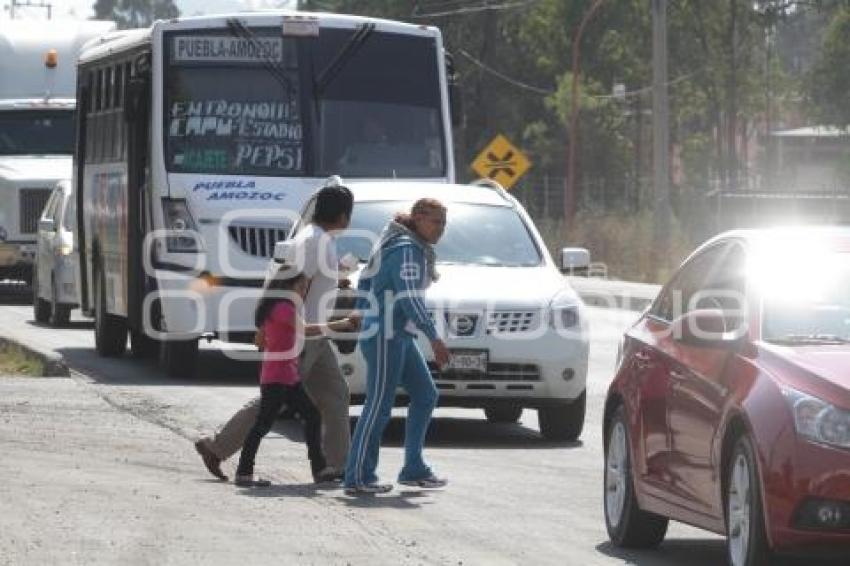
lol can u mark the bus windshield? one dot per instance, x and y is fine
(379, 116)
(37, 132)
(269, 106)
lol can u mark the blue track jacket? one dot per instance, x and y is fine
(403, 273)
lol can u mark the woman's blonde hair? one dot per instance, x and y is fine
(421, 206)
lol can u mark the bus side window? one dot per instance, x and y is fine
(97, 119)
(118, 117)
(88, 122)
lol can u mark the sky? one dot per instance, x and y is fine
(83, 8)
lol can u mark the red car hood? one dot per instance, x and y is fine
(830, 364)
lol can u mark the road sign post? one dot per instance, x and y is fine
(501, 161)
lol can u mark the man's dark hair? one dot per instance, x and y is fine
(331, 202)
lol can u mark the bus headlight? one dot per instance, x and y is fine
(183, 234)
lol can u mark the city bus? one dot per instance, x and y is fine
(200, 138)
(37, 88)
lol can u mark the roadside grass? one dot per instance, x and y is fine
(16, 362)
(624, 243)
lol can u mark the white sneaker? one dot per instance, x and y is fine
(430, 482)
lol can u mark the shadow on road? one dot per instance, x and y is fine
(693, 552)
(449, 432)
(696, 552)
(15, 296)
(393, 500)
(70, 325)
(214, 370)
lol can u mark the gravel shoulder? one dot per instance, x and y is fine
(82, 482)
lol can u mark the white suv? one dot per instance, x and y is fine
(517, 331)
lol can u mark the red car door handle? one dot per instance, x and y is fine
(677, 375)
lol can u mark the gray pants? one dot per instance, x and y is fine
(327, 389)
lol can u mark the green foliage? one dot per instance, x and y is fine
(829, 82)
(135, 13)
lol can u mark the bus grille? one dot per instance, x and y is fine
(257, 241)
(32, 202)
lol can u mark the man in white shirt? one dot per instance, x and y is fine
(314, 251)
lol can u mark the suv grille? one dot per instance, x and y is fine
(511, 321)
(257, 241)
(495, 372)
(32, 202)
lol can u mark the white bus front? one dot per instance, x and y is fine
(248, 117)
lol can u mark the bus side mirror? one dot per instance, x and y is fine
(455, 97)
(456, 105)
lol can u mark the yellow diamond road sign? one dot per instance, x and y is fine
(502, 162)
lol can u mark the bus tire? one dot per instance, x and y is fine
(40, 307)
(142, 346)
(179, 358)
(110, 332)
(60, 313)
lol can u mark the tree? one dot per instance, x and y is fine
(135, 13)
(829, 82)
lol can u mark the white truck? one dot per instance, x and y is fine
(37, 100)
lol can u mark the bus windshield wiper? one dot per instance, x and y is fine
(239, 29)
(354, 43)
(809, 339)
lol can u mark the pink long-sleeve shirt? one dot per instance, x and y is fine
(280, 357)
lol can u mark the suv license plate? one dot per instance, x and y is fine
(468, 361)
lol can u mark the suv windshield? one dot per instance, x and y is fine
(475, 234)
(37, 132)
(258, 103)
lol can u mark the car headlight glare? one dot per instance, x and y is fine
(819, 421)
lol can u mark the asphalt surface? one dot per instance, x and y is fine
(513, 497)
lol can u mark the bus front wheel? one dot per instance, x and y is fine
(110, 331)
(179, 357)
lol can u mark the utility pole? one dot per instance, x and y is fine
(570, 187)
(660, 129)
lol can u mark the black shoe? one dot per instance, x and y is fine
(329, 475)
(250, 481)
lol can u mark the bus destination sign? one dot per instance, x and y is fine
(218, 49)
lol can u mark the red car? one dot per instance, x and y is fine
(730, 408)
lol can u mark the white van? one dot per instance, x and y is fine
(37, 99)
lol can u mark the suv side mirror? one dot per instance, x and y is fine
(47, 225)
(705, 328)
(574, 261)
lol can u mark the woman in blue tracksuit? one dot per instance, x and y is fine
(401, 266)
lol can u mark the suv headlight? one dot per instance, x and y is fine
(183, 234)
(564, 311)
(818, 421)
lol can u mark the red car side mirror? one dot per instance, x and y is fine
(706, 328)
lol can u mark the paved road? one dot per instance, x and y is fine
(513, 498)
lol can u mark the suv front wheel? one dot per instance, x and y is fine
(563, 422)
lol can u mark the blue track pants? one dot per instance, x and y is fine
(390, 363)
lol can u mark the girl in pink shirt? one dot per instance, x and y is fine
(283, 331)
